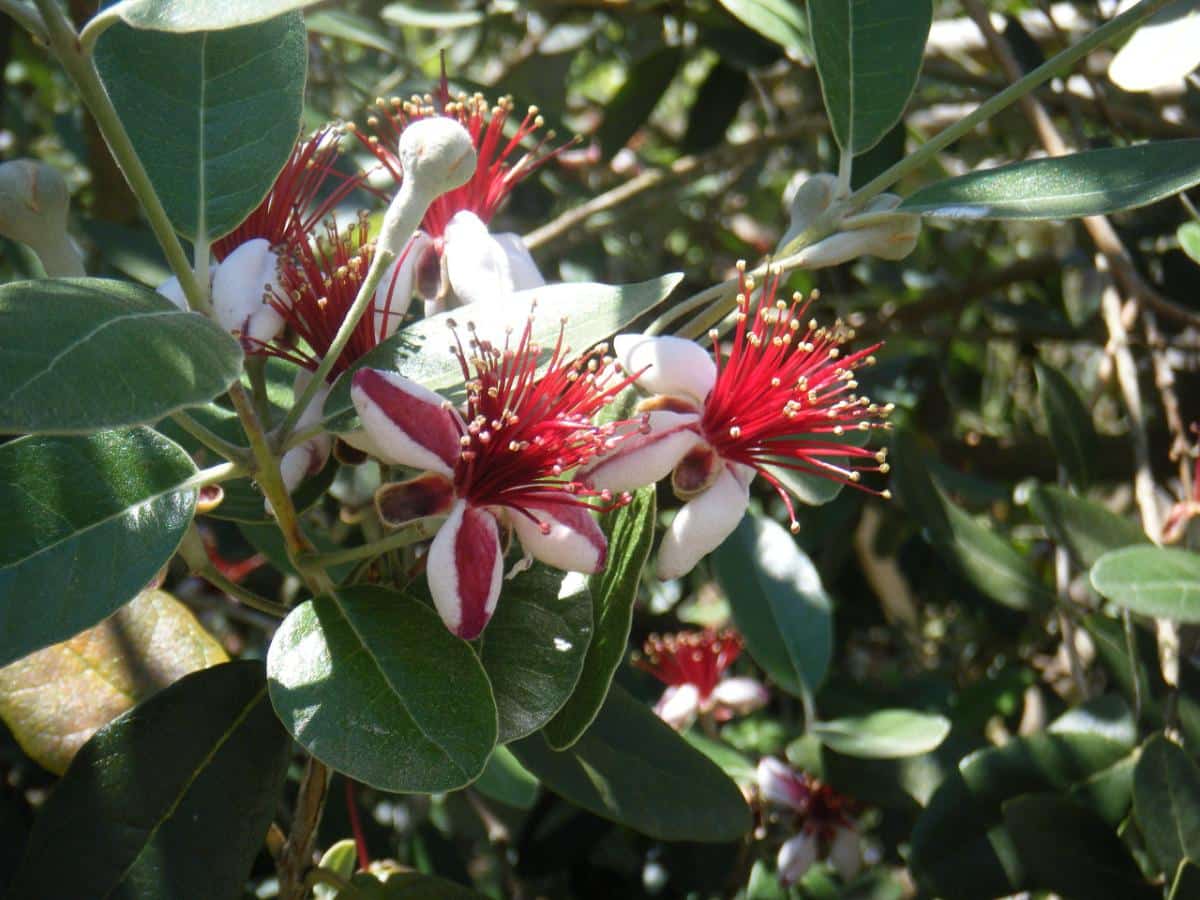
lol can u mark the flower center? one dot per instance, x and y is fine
(698, 658)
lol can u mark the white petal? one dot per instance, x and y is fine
(173, 291)
(465, 569)
(796, 857)
(574, 543)
(525, 274)
(394, 294)
(239, 289)
(411, 424)
(304, 460)
(778, 784)
(740, 695)
(645, 458)
(701, 526)
(475, 263)
(679, 705)
(845, 853)
(674, 366)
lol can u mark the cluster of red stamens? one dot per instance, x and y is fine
(698, 658)
(295, 204)
(818, 808)
(527, 429)
(783, 387)
(320, 279)
(500, 166)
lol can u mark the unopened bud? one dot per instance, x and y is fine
(888, 236)
(812, 199)
(796, 857)
(34, 201)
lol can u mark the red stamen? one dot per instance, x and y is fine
(320, 281)
(697, 658)
(782, 386)
(528, 429)
(499, 167)
(294, 204)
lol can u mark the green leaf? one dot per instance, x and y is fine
(738, 767)
(505, 780)
(632, 768)
(1153, 581)
(1070, 850)
(985, 558)
(1070, 424)
(884, 734)
(1093, 183)
(630, 532)
(342, 860)
(645, 83)
(82, 354)
(1166, 801)
(56, 698)
(212, 114)
(1189, 240)
(169, 802)
(592, 313)
(868, 56)
(441, 19)
(960, 848)
(1086, 528)
(534, 647)
(243, 501)
(780, 21)
(88, 522)
(778, 603)
(211, 15)
(347, 26)
(373, 684)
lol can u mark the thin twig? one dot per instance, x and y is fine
(411, 533)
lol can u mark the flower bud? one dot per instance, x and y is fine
(240, 292)
(679, 706)
(34, 201)
(873, 232)
(437, 155)
(796, 857)
(813, 198)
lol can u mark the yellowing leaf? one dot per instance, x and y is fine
(55, 699)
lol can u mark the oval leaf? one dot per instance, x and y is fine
(375, 686)
(81, 354)
(633, 769)
(983, 557)
(1153, 581)
(780, 21)
(54, 700)
(868, 56)
(778, 603)
(1070, 850)
(1069, 423)
(1086, 528)
(534, 646)
(211, 15)
(645, 83)
(630, 532)
(885, 734)
(1166, 801)
(171, 801)
(960, 848)
(1092, 183)
(1189, 240)
(507, 781)
(585, 313)
(88, 522)
(213, 115)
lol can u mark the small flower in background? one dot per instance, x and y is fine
(821, 818)
(777, 399)
(692, 664)
(504, 463)
(457, 260)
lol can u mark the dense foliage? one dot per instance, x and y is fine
(781, 489)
